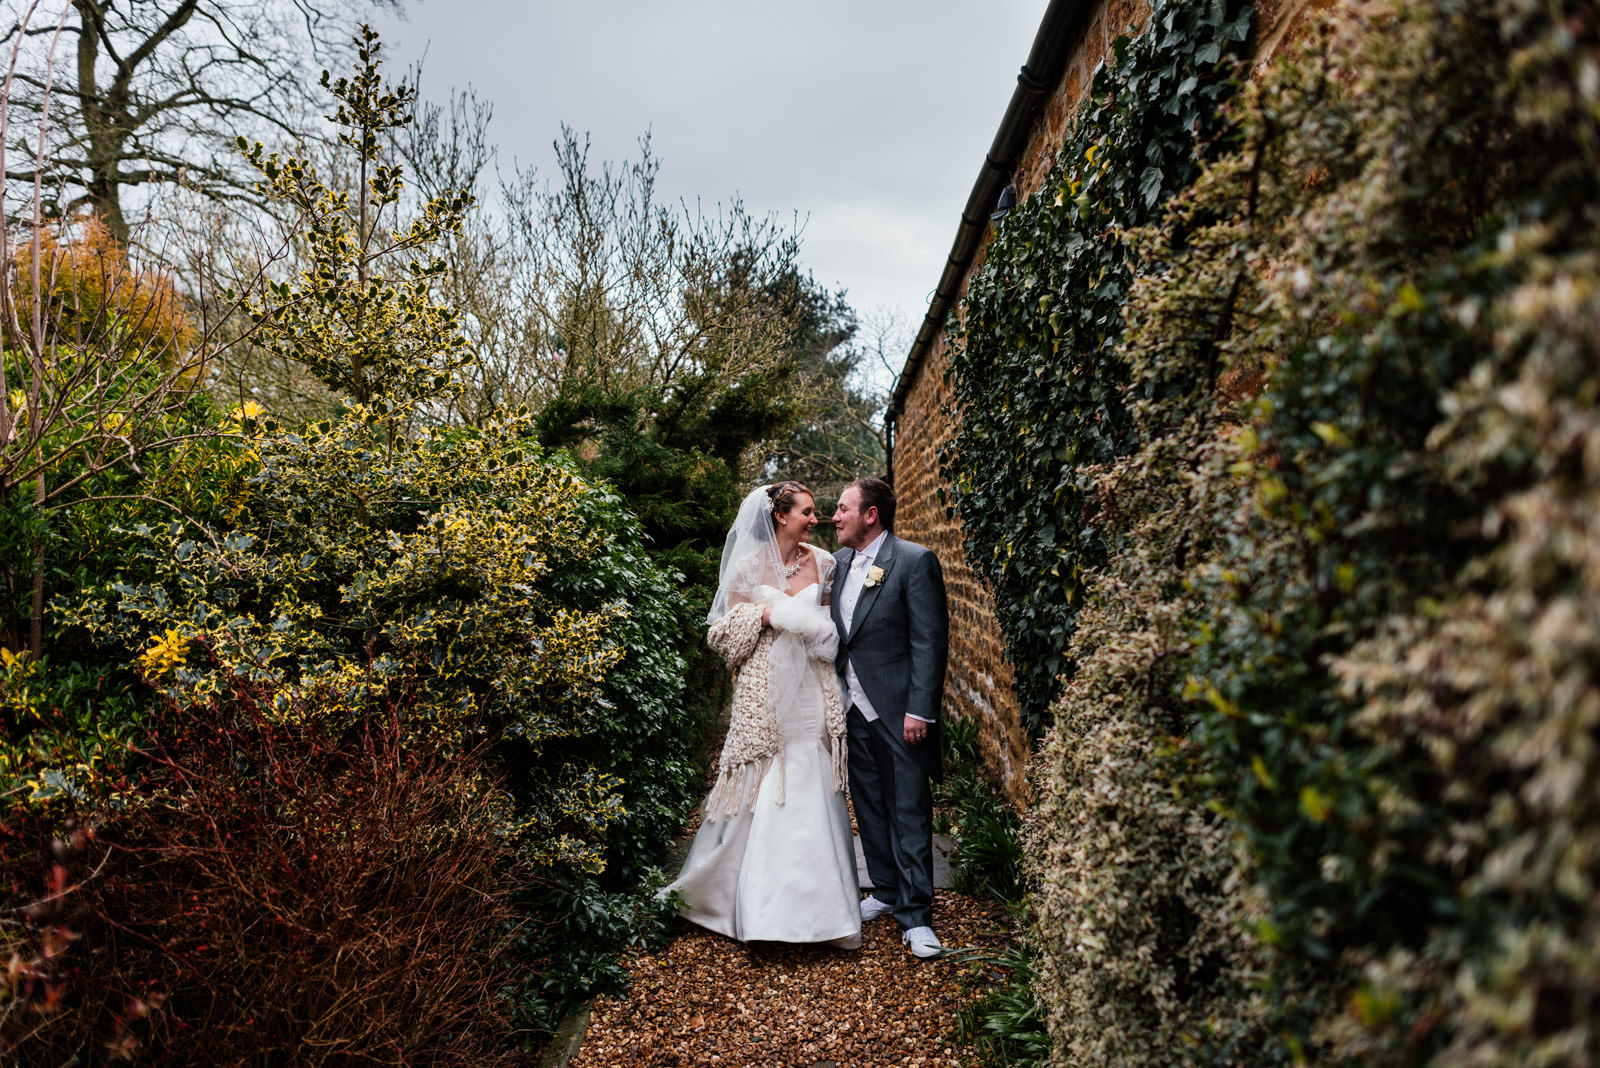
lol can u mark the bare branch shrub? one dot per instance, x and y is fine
(102, 362)
(590, 282)
(282, 894)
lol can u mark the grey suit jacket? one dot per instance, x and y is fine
(898, 641)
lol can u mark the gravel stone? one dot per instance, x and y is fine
(709, 1000)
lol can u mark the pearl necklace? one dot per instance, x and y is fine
(791, 570)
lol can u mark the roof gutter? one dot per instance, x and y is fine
(1047, 63)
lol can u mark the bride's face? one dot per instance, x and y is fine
(802, 517)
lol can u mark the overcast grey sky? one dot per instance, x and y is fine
(868, 117)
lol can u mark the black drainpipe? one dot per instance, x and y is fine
(888, 451)
(1047, 64)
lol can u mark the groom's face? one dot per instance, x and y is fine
(854, 529)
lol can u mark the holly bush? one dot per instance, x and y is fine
(362, 318)
(493, 571)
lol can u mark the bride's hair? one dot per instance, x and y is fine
(783, 495)
(750, 557)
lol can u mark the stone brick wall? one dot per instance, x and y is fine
(979, 682)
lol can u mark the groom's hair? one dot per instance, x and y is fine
(876, 493)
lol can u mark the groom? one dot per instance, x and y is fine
(889, 606)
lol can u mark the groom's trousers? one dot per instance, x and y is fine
(894, 812)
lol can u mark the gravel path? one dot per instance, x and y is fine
(708, 1000)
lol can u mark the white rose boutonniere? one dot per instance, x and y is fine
(874, 576)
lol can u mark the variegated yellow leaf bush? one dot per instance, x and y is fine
(1322, 785)
(361, 316)
(454, 560)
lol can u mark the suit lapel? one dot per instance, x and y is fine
(869, 594)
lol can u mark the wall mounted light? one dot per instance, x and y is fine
(1007, 201)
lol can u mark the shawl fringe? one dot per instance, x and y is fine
(737, 787)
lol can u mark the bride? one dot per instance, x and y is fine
(773, 859)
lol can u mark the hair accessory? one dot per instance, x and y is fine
(767, 504)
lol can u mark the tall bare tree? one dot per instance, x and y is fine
(141, 92)
(848, 365)
(588, 283)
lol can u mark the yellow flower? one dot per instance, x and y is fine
(165, 655)
(874, 576)
(247, 418)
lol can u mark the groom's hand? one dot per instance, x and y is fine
(914, 731)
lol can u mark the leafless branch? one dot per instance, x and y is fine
(156, 92)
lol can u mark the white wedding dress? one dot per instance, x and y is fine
(782, 872)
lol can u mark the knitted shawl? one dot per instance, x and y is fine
(754, 740)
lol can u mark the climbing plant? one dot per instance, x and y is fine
(1321, 787)
(1037, 374)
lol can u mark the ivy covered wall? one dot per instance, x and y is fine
(1036, 370)
(981, 684)
(1285, 441)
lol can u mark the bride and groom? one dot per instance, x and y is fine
(839, 667)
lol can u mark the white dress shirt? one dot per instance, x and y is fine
(854, 582)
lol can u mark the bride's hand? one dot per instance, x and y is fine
(766, 616)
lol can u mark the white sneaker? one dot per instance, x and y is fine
(872, 908)
(923, 942)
